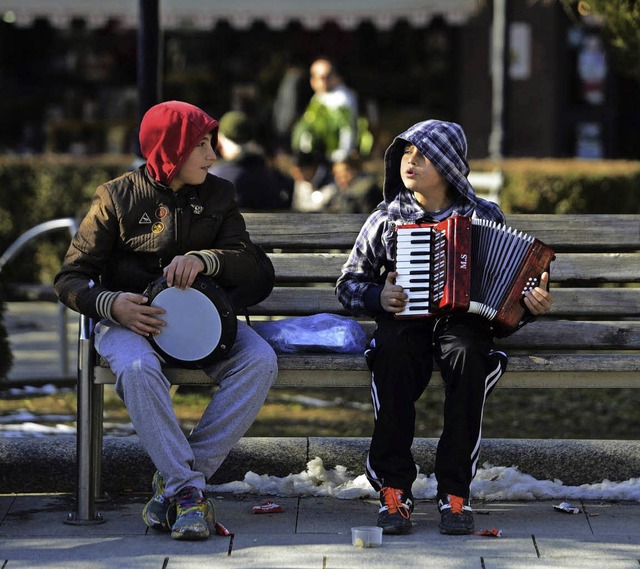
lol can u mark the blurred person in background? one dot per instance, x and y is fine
(313, 176)
(258, 185)
(291, 99)
(329, 123)
(353, 190)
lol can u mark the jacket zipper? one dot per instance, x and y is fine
(177, 220)
(177, 225)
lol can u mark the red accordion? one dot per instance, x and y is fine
(468, 265)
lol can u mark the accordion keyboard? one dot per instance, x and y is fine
(421, 268)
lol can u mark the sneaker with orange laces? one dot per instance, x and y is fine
(456, 516)
(394, 515)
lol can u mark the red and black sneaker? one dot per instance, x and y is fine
(456, 515)
(394, 515)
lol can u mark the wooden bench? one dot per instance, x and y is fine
(591, 338)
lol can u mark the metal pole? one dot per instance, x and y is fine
(499, 34)
(85, 513)
(63, 321)
(148, 55)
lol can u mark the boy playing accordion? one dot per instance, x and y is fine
(425, 182)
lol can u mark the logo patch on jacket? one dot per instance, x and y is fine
(158, 227)
(144, 219)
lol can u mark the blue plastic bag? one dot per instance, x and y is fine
(317, 333)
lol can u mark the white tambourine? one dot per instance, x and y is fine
(201, 324)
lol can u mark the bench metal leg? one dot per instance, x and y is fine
(97, 410)
(63, 319)
(89, 437)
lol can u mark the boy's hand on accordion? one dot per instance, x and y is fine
(392, 297)
(539, 300)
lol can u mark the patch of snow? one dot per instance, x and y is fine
(492, 483)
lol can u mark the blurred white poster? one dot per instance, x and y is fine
(519, 51)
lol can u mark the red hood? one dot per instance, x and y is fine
(168, 133)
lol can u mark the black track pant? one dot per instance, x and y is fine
(401, 362)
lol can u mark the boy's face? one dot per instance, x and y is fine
(195, 167)
(419, 175)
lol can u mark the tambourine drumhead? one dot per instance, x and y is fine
(201, 325)
(193, 326)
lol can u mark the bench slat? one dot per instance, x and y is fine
(568, 302)
(543, 362)
(596, 302)
(548, 335)
(589, 232)
(528, 378)
(591, 268)
(541, 336)
(570, 335)
(339, 231)
(596, 268)
(339, 370)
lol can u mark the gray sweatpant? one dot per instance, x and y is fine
(244, 377)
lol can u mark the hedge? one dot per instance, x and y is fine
(38, 189)
(6, 356)
(567, 186)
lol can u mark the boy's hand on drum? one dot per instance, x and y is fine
(130, 310)
(183, 270)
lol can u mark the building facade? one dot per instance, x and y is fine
(72, 84)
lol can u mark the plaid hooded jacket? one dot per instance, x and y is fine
(445, 145)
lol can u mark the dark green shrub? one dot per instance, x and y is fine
(6, 357)
(38, 189)
(567, 186)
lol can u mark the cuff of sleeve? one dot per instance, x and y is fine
(371, 299)
(210, 260)
(104, 303)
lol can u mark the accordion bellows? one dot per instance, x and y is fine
(468, 265)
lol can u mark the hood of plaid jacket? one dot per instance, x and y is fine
(168, 133)
(445, 145)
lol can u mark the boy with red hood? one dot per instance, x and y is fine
(171, 218)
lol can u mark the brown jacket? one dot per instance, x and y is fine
(135, 227)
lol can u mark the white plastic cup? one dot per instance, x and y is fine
(366, 536)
